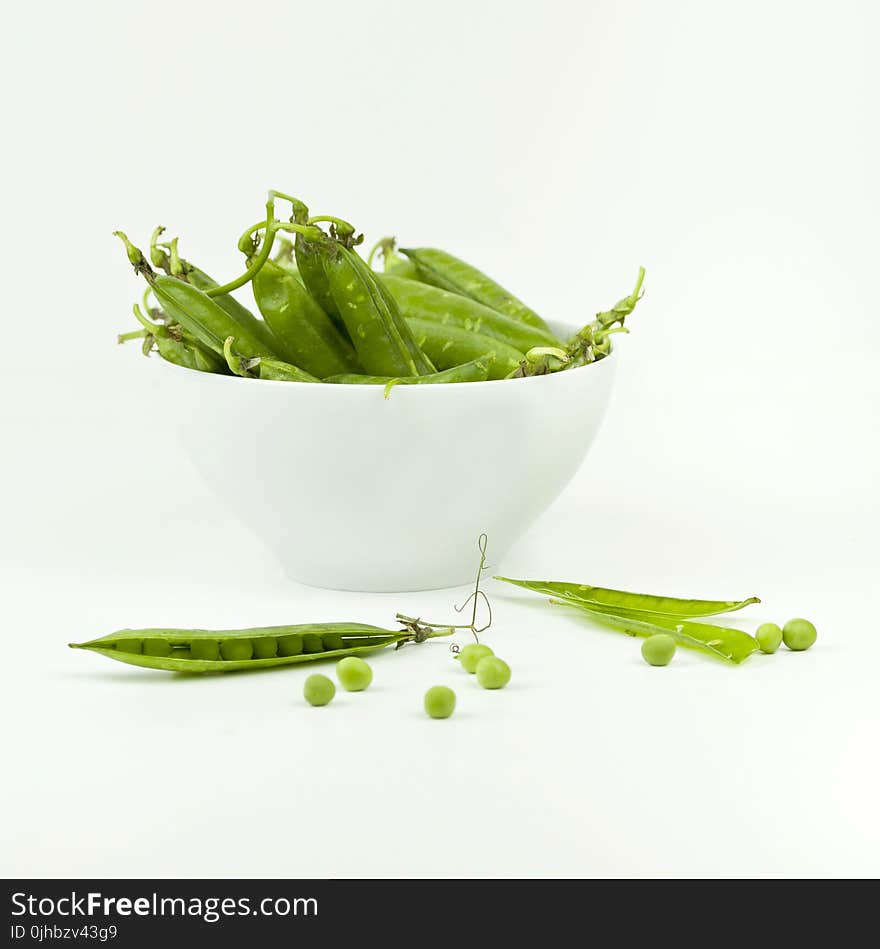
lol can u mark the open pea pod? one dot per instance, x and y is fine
(602, 598)
(723, 642)
(205, 650)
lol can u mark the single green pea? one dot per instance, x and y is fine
(798, 634)
(471, 654)
(658, 650)
(265, 648)
(290, 645)
(312, 643)
(354, 674)
(318, 689)
(157, 647)
(332, 641)
(235, 650)
(129, 645)
(769, 636)
(492, 672)
(204, 649)
(439, 701)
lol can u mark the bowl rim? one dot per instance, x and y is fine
(216, 378)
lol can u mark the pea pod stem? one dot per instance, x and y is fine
(135, 256)
(477, 596)
(381, 244)
(340, 230)
(271, 226)
(259, 260)
(147, 325)
(300, 211)
(158, 254)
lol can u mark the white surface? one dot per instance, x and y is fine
(350, 488)
(726, 148)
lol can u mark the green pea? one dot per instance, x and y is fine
(312, 643)
(769, 636)
(290, 645)
(332, 641)
(235, 650)
(798, 634)
(204, 649)
(265, 648)
(471, 654)
(439, 701)
(129, 645)
(354, 674)
(658, 650)
(492, 672)
(157, 647)
(318, 689)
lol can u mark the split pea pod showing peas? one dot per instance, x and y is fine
(443, 270)
(203, 650)
(306, 335)
(383, 340)
(425, 302)
(448, 347)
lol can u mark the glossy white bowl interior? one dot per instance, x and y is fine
(357, 492)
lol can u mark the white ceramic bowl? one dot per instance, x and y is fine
(357, 492)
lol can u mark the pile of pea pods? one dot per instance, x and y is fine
(326, 315)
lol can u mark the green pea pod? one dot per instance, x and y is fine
(175, 346)
(263, 367)
(475, 371)
(723, 642)
(448, 346)
(311, 269)
(603, 598)
(167, 257)
(176, 351)
(306, 336)
(237, 311)
(310, 266)
(425, 302)
(204, 318)
(204, 650)
(449, 273)
(382, 339)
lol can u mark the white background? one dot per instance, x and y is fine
(730, 148)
